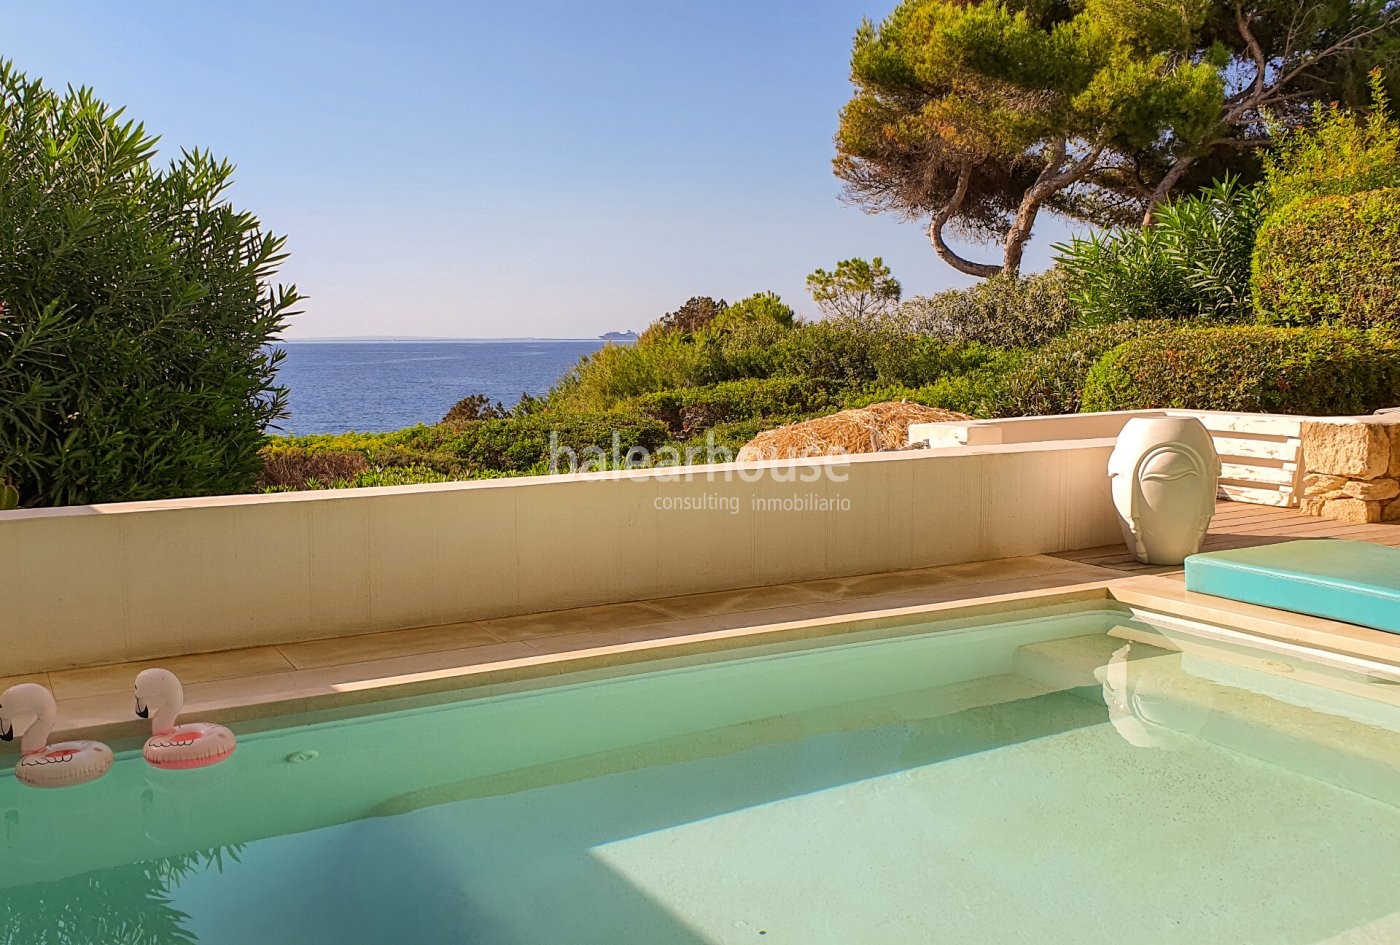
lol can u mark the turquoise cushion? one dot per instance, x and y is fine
(1354, 581)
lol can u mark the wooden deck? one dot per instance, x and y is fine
(1239, 525)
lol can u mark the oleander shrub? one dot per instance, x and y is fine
(1331, 261)
(136, 310)
(1002, 311)
(1191, 262)
(1317, 371)
(1050, 379)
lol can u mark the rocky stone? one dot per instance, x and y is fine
(1321, 484)
(1354, 511)
(1373, 489)
(1355, 448)
(1394, 471)
(1390, 512)
(1312, 505)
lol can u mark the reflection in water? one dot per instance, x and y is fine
(1153, 701)
(124, 905)
(1119, 698)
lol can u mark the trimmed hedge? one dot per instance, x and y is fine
(1317, 371)
(1331, 260)
(1050, 380)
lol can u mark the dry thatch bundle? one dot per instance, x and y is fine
(865, 430)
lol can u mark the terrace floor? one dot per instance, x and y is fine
(273, 680)
(1240, 525)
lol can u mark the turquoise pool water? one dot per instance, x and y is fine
(1049, 780)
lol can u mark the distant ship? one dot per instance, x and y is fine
(619, 336)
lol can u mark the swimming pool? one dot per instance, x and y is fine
(1077, 776)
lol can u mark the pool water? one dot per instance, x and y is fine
(1070, 777)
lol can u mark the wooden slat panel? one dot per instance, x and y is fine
(1276, 475)
(1286, 450)
(1257, 495)
(1237, 423)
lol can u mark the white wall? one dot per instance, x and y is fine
(104, 583)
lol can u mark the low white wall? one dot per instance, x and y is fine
(1071, 426)
(1261, 453)
(1084, 426)
(95, 584)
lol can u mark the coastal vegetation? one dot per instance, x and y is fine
(135, 310)
(1240, 169)
(1208, 305)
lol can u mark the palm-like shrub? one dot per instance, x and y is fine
(1191, 262)
(136, 311)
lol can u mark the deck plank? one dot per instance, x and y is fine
(1241, 525)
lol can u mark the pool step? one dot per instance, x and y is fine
(1069, 664)
(1166, 696)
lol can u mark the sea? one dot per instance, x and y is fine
(372, 386)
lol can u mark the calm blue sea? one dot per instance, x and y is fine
(372, 386)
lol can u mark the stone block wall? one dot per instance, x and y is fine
(1352, 469)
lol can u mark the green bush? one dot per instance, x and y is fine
(1191, 262)
(850, 355)
(729, 342)
(694, 315)
(1050, 379)
(614, 373)
(1341, 153)
(1318, 371)
(377, 476)
(973, 391)
(475, 407)
(523, 444)
(520, 443)
(1331, 260)
(135, 310)
(732, 436)
(687, 411)
(812, 366)
(1003, 311)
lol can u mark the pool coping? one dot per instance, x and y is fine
(247, 700)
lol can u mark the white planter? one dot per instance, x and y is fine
(1165, 474)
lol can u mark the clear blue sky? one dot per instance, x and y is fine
(470, 169)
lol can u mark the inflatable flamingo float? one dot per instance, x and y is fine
(160, 697)
(29, 710)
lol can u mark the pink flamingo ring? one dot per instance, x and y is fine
(172, 746)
